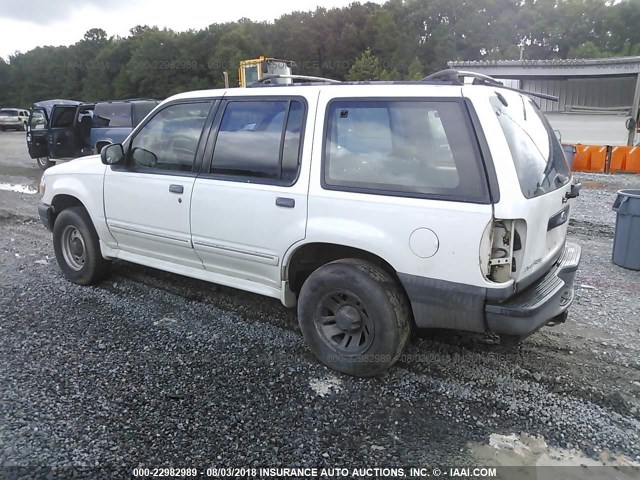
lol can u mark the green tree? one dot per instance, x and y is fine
(366, 67)
(585, 50)
(416, 70)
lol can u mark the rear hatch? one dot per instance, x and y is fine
(9, 117)
(538, 229)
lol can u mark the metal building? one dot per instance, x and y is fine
(597, 97)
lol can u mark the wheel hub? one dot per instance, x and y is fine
(73, 248)
(344, 323)
(76, 247)
(348, 319)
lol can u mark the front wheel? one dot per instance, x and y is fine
(44, 162)
(354, 317)
(77, 247)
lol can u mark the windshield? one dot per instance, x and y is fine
(536, 151)
(8, 113)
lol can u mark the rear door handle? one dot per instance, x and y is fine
(285, 202)
(176, 188)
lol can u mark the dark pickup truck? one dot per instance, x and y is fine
(67, 129)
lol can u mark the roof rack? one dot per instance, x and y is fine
(266, 80)
(452, 76)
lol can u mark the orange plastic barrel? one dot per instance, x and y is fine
(598, 158)
(582, 158)
(633, 160)
(619, 159)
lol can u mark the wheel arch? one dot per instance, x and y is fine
(309, 256)
(63, 201)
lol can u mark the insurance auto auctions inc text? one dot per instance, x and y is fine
(377, 472)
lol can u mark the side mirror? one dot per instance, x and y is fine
(112, 154)
(630, 124)
(143, 158)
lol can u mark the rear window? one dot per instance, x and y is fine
(536, 151)
(6, 112)
(406, 148)
(112, 115)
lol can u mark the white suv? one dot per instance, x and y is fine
(373, 207)
(15, 118)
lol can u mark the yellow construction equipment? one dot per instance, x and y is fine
(254, 70)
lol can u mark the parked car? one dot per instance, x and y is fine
(73, 129)
(14, 118)
(113, 121)
(38, 129)
(373, 208)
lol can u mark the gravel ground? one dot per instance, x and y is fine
(153, 369)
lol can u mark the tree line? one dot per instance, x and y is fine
(402, 39)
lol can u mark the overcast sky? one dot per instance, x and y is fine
(26, 24)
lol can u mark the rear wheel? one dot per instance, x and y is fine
(77, 247)
(44, 162)
(354, 317)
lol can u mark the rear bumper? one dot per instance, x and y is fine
(544, 301)
(46, 215)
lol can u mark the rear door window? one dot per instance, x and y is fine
(260, 140)
(403, 147)
(63, 117)
(536, 151)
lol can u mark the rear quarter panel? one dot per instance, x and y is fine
(384, 224)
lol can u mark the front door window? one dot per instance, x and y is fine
(170, 139)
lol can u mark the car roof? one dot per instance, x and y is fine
(342, 89)
(48, 105)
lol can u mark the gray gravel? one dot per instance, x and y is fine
(153, 369)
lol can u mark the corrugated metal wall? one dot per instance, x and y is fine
(583, 92)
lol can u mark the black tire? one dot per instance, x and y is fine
(354, 317)
(77, 247)
(44, 162)
(23, 128)
(510, 342)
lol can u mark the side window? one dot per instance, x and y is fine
(403, 147)
(112, 115)
(170, 139)
(63, 117)
(38, 120)
(260, 139)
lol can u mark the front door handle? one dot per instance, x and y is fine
(176, 188)
(285, 202)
